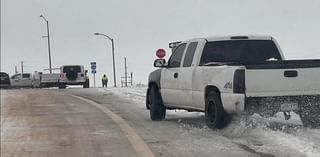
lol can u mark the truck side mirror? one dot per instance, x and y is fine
(159, 63)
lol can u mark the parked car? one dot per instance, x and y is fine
(234, 74)
(73, 75)
(22, 80)
(4, 80)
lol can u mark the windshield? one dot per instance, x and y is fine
(3, 75)
(240, 51)
(67, 69)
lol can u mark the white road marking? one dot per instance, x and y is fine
(136, 141)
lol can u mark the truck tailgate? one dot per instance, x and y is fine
(283, 78)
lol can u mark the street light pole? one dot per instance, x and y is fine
(114, 66)
(48, 36)
(113, 60)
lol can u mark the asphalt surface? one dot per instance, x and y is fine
(40, 122)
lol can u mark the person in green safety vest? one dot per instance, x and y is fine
(104, 81)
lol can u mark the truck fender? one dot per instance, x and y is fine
(154, 80)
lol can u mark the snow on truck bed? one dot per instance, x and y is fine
(265, 134)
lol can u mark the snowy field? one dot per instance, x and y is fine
(262, 134)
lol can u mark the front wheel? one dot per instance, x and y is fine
(215, 116)
(157, 109)
(148, 98)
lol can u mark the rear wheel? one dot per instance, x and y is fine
(215, 116)
(157, 109)
(62, 86)
(86, 84)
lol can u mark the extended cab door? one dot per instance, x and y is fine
(186, 73)
(170, 75)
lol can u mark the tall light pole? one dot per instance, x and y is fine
(114, 66)
(50, 68)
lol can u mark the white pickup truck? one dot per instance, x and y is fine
(45, 80)
(232, 74)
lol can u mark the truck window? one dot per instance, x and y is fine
(25, 75)
(176, 57)
(4, 75)
(16, 76)
(67, 69)
(189, 54)
(240, 51)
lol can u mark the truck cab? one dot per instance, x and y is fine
(234, 74)
(21, 80)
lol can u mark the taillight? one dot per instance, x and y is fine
(61, 76)
(239, 84)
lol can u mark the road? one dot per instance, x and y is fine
(114, 122)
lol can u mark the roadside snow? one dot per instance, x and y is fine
(272, 135)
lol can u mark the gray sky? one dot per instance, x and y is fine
(139, 27)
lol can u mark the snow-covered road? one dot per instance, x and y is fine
(254, 134)
(181, 134)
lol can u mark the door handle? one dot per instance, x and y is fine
(291, 73)
(175, 75)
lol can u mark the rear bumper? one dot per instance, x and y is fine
(75, 82)
(267, 106)
(4, 85)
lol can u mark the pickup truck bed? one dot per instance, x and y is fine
(283, 78)
(286, 64)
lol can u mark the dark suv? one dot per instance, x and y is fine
(4, 80)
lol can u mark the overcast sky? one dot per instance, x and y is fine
(139, 27)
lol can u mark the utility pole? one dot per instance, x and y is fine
(131, 78)
(48, 36)
(15, 69)
(125, 72)
(21, 67)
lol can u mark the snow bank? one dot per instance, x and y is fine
(261, 134)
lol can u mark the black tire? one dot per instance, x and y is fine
(86, 84)
(148, 98)
(61, 86)
(215, 116)
(310, 114)
(157, 109)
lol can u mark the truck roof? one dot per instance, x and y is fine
(239, 37)
(70, 65)
(234, 37)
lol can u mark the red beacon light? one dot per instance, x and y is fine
(161, 53)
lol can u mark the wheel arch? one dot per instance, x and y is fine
(211, 88)
(150, 85)
(154, 78)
